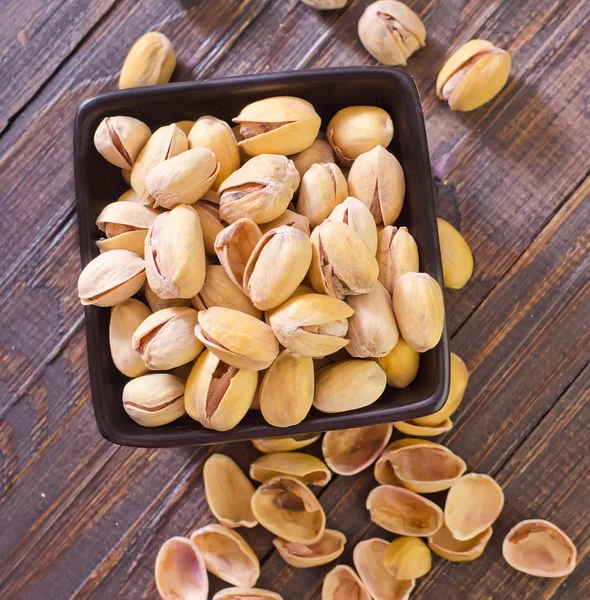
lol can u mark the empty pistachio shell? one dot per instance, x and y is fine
(227, 555)
(210, 223)
(217, 395)
(419, 310)
(277, 265)
(473, 503)
(217, 136)
(348, 385)
(383, 471)
(443, 544)
(286, 393)
(319, 152)
(156, 303)
(400, 365)
(357, 216)
(285, 444)
(312, 324)
(182, 179)
(246, 594)
(218, 290)
(238, 339)
(397, 254)
(260, 190)
(368, 560)
(180, 571)
(412, 428)
(459, 380)
(391, 32)
(228, 492)
(289, 218)
(125, 318)
(303, 556)
(404, 512)
(473, 75)
(539, 548)
(342, 583)
(357, 129)
(407, 558)
(280, 125)
(325, 4)
(457, 260)
(350, 451)
(305, 467)
(323, 187)
(151, 61)
(288, 508)
(155, 399)
(111, 278)
(342, 264)
(120, 139)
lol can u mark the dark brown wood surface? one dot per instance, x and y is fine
(84, 519)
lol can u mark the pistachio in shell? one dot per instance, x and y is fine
(407, 558)
(120, 139)
(239, 593)
(457, 260)
(286, 443)
(125, 318)
(156, 303)
(151, 61)
(342, 583)
(412, 428)
(210, 223)
(319, 152)
(357, 216)
(228, 492)
(289, 218)
(397, 254)
(304, 556)
(401, 364)
(322, 188)
(305, 467)
(286, 507)
(443, 544)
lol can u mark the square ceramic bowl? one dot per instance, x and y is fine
(98, 183)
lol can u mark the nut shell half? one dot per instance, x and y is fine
(342, 583)
(303, 556)
(443, 544)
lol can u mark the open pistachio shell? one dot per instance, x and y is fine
(539, 548)
(355, 214)
(227, 555)
(407, 558)
(286, 507)
(412, 428)
(350, 451)
(303, 556)
(228, 492)
(400, 365)
(383, 471)
(443, 544)
(246, 594)
(285, 444)
(368, 560)
(473, 504)
(305, 467)
(125, 318)
(180, 571)
(404, 512)
(342, 583)
(120, 139)
(118, 218)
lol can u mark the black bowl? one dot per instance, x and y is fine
(98, 183)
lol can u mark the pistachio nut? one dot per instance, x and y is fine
(218, 290)
(289, 218)
(323, 187)
(166, 142)
(319, 152)
(111, 278)
(151, 61)
(246, 594)
(217, 136)
(397, 254)
(459, 380)
(404, 512)
(227, 555)
(377, 179)
(348, 385)
(286, 507)
(368, 559)
(473, 75)
(443, 544)
(539, 548)
(419, 310)
(391, 32)
(400, 365)
(412, 428)
(342, 264)
(357, 129)
(125, 318)
(325, 4)
(180, 570)
(120, 139)
(156, 303)
(182, 179)
(210, 223)
(305, 467)
(228, 492)
(155, 399)
(350, 451)
(303, 556)
(280, 125)
(473, 503)
(342, 583)
(175, 254)
(185, 126)
(277, 265)
(312, 324)
(357, 216)
(407, 558)
(457, 260)
(285, 444)
(260, 190)
(238, 339)
(217, 395)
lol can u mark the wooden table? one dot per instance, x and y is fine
(82, 518)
